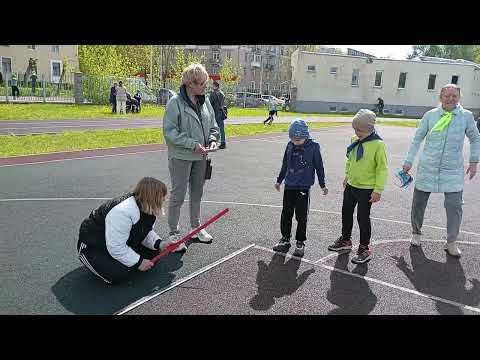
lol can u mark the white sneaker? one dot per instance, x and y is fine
(416, 239)
(452, 249)
(203, 236)
(174, 238)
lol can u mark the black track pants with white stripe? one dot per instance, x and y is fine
(93, 253)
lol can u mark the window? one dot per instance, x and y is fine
(378, 78)
(402, 79)
(267, 86)
(344, 109)
(252, 85)
(431, 81)
(56, 71)
(31, 47)
(229, 54)
(216, 56)
(333, 70)
(56, 49)
(455, 79)
(355, 74)
(246, 57)
(332, 109)
(257, 58)
(310, 67)
(398, 112)
(215, 68)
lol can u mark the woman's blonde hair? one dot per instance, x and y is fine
(150, 194)
(193, 72)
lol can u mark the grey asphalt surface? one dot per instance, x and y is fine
(41, 275)
(22, 127)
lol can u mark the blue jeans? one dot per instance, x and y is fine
(220, 122)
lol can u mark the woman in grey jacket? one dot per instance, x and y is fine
(440, 167)
(190, 132)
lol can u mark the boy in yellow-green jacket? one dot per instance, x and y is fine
(365, 176)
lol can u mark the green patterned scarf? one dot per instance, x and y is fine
(443, 123)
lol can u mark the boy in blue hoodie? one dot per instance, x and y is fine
(300, 161)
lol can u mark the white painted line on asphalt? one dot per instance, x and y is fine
(181, 281)
(286, 255)
(131, 153)
(401, 288)
(246, 204)
(384, 283)
(334, 254)
(85, 157)
(334, 213)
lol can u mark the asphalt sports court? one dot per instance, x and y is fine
(43, 204)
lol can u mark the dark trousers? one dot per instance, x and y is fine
(351, 197)
(298, 202)
(221, 124)
(15, 91)
(114, 106)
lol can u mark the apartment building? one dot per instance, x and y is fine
(263, 68)
(324, 82)
(49, 60)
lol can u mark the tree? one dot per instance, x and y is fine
(466, 52)
(229, 75)
(182, 60)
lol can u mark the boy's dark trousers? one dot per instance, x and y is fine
(15, 91)
(297, 201)
(351, 197)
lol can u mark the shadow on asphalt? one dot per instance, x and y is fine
(81, 292)
(276, 280)
(352, 295)
(446, 280)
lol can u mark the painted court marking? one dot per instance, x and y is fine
(239, 203)
(182, 280)
(311, 262)
(384, 283)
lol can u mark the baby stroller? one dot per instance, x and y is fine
(132, 104)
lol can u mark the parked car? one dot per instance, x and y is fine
(269, 99)
(163, 95)
(247, 99)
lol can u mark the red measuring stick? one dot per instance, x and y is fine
(187, 237)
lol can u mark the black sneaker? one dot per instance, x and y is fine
(283, 245)
(341, 245)
(364, 254)
(299, 249)
(223, 146)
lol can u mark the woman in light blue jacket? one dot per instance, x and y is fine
(440, 167)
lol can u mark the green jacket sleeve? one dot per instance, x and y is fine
(171, 129)
(381, 171)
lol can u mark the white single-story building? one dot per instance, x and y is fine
(343, 83)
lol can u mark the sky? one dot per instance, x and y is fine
(395, 51)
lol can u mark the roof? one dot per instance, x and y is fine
(422, 59)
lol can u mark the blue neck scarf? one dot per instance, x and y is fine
(371, 137)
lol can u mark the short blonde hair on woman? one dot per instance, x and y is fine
(453, 86)
(150, 194)
(194, 72)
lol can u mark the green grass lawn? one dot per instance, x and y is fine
(67, 111)
(399, 123)
(11, 145)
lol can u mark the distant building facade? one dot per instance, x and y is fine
(344, 83)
